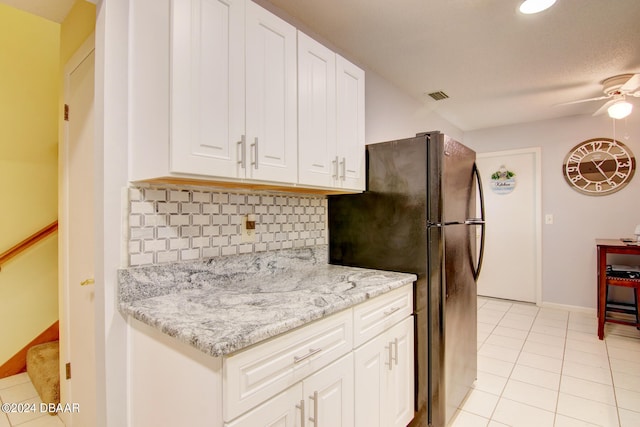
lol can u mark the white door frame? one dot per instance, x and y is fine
(64, 234)
(537, 155)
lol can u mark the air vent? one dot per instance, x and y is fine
(438, 96)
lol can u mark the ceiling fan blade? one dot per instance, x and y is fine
(632, 84)
(604, 107)
(599, 98)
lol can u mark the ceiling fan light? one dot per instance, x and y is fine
(534, 6)
(620, 109)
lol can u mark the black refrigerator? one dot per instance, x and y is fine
(418, 215)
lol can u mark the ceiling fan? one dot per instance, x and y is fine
(616, 90)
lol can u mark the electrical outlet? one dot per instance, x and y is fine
(248, 234)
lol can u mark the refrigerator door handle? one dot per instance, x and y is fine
(474, 221)
(479, 221)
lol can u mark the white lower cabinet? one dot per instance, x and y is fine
(284, 410)
(325, 399)
(384, 382)
(354, 367)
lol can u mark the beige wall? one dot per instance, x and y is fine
(29, 79)
(34, 53)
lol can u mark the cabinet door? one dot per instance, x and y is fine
(284, 410)
(329, 393)
(350, 124)
(318, 161)
(400, 379)
(384, 379)
(371, 361)
(207, 86)
(271, 98)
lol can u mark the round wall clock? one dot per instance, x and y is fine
(599, 166)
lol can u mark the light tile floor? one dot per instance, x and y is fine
(546, 367)
(536, 367)
(18, 389)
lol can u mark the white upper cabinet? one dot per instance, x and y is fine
(207, 87)
(218, 129)
(214, 96)
(318, 163)
(350, 124)
(330, 118)
(271, 126)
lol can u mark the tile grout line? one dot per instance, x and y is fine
(613, 384)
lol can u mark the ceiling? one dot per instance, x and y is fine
(497, 65)
(53, 10)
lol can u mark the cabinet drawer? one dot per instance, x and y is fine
(254, 375)
(379, 314)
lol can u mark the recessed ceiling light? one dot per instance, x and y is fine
(534, 6)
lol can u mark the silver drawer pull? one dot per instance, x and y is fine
(391, 311)
(298, 359)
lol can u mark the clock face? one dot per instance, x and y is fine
(599, 166)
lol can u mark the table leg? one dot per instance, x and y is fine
(602, 291)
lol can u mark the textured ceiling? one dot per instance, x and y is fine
(497, 66)
(53, 10)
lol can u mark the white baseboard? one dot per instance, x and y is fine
(575, 308)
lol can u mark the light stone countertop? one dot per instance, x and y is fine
(225, 304)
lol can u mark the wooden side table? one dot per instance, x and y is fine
(612, 246)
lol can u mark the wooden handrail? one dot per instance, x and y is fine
(28, 242)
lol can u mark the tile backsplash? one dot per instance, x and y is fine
(168, 224)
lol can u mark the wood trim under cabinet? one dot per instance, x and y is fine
(226, 185)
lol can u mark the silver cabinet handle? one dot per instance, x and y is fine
(312, 351)
(242, 144)
(344, 168)
(395, 345)
(301, 407)
(393, 359)
(391, 311)
(314, 420)
(335, 168)
(255, 153)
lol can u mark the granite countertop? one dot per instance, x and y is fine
(224, 304)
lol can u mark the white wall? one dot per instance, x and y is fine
(568, 245)
(111, 129)
(390, 114)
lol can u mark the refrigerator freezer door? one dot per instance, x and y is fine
(458, 181)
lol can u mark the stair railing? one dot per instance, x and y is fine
(28, 242)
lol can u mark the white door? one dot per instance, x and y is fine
(512, 257)
(77, 241)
